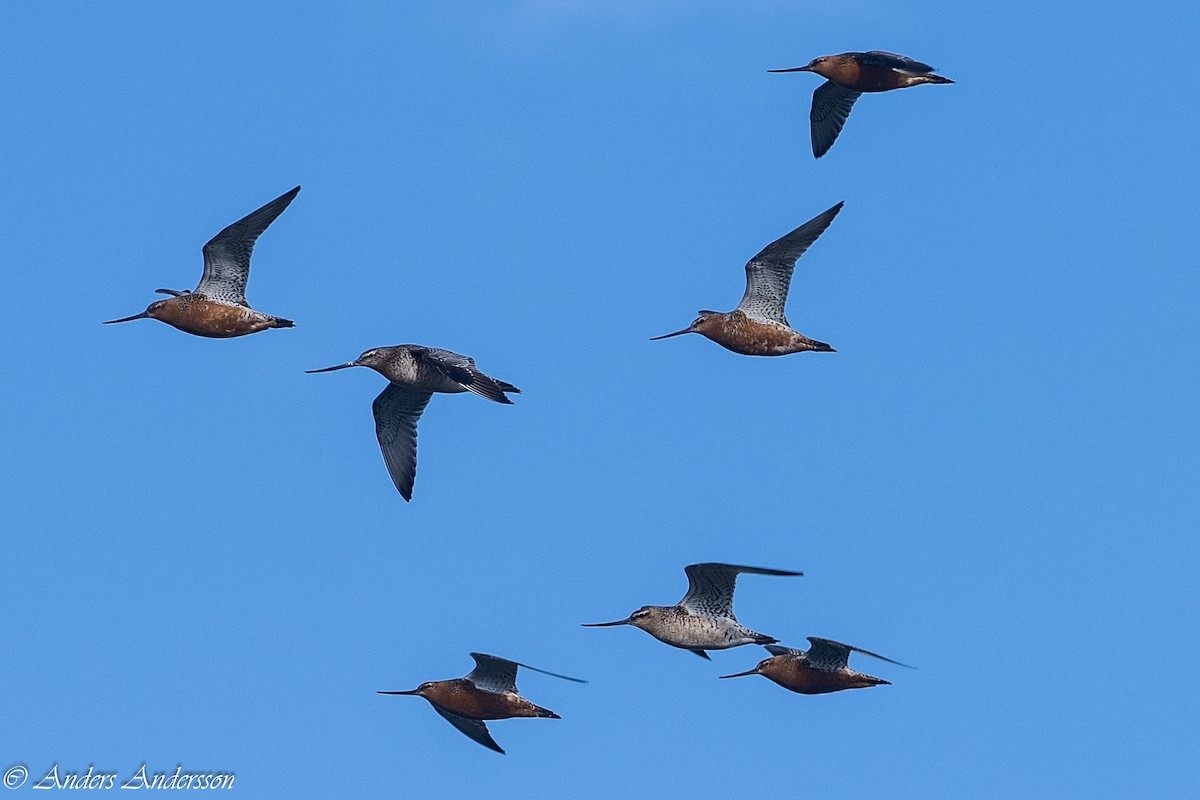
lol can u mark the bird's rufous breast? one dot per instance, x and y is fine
(462, 697)
(799, 677)
(739, 333)
(203, 317)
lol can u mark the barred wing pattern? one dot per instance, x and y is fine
(828, 655)
(710, 587)
(227, 255)
(397, 410)
(831, 106)
(495, 674)
(828, 652)
(769, 274)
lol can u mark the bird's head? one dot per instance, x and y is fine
(638, 619)
(373, 358)
(765, 667)
(701, 324)
(816, 65)
(153, 311)
(421, 691)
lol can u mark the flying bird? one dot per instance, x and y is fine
(758, 327)
(849, 75)
(821, 669)
(487, 692)
(703, 619)
(218, 308)
(415, 373)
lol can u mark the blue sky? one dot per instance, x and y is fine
(994, 478)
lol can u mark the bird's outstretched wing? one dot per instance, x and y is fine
(475, 728)
(495, 674)
(227, 255)
(828, 654)
(397, 410)
(831, 106)
(769, 274)
(710, 587)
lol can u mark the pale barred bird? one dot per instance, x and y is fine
(849, 75)
(758, 326)
(821, 669)
(487, 692)
(703, 619)
(217, 308)
(415, 373)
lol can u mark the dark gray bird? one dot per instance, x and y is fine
(849, 75)
(416, 372)
(703, 619)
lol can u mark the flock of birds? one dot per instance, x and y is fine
(704, 619)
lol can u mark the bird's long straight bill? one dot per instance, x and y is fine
(742, 674)
(331, 369)
(792, 69)
(669, 335)
(605, 624)
(142, 315)
(410, 691)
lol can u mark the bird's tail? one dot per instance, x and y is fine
(280, 322)
(864, 681)
(487, 386)
(545, 712)
(819, 347)
(931, 78)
